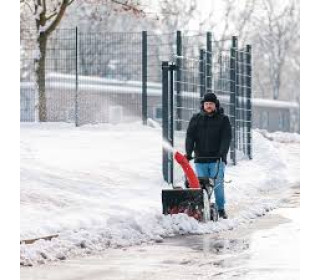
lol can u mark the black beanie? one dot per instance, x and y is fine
(210, 97)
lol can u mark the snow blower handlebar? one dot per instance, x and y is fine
(192, 178)
(217, 159)
(213, 158)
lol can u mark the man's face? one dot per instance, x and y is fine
(209, 107)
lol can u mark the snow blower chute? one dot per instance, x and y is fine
(193, 200)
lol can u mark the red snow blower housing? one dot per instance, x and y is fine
(193, 200)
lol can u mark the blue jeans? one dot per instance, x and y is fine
(210, 170)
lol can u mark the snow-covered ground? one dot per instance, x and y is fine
(265, 262)
(245, 253)
(100, 187)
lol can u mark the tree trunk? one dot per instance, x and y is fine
(276, 84)
(40, 62)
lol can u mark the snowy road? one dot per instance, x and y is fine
(266, 248)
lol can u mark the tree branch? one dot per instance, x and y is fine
(226, 25)
(23, 2)
(51, 16)
(43, 13)
(128, 7)
(44, 5)
(58, 18)
(249, 9)
(70, 2)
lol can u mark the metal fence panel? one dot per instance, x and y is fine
(103, 77)
(223, 69)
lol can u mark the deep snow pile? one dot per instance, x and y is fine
(283, 137)
(100, 187)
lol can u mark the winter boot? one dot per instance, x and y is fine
(222, 214)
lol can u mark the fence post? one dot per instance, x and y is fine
(144, 101)
(248, 103)
(171, 118)
(165, 119)
(233, 85)
(242, 124)
(179, 79)
(209, 61)
(237, 103)
(202, 74)
(77, 83)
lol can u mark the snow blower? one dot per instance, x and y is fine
(194, 200)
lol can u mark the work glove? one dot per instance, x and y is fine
(188, 157)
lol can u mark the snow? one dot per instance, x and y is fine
(279, 136)
(274, 103)
(265, 262)
(67, 78)
(99, 186)
(66, 81)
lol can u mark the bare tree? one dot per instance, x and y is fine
(47, 16)
(276, 33)
(230, 19)
(104, 51)
(173, 15)
(244, 20)
(177, 14)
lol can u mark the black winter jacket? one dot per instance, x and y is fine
(209, 136)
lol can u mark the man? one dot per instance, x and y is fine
(209, 137)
